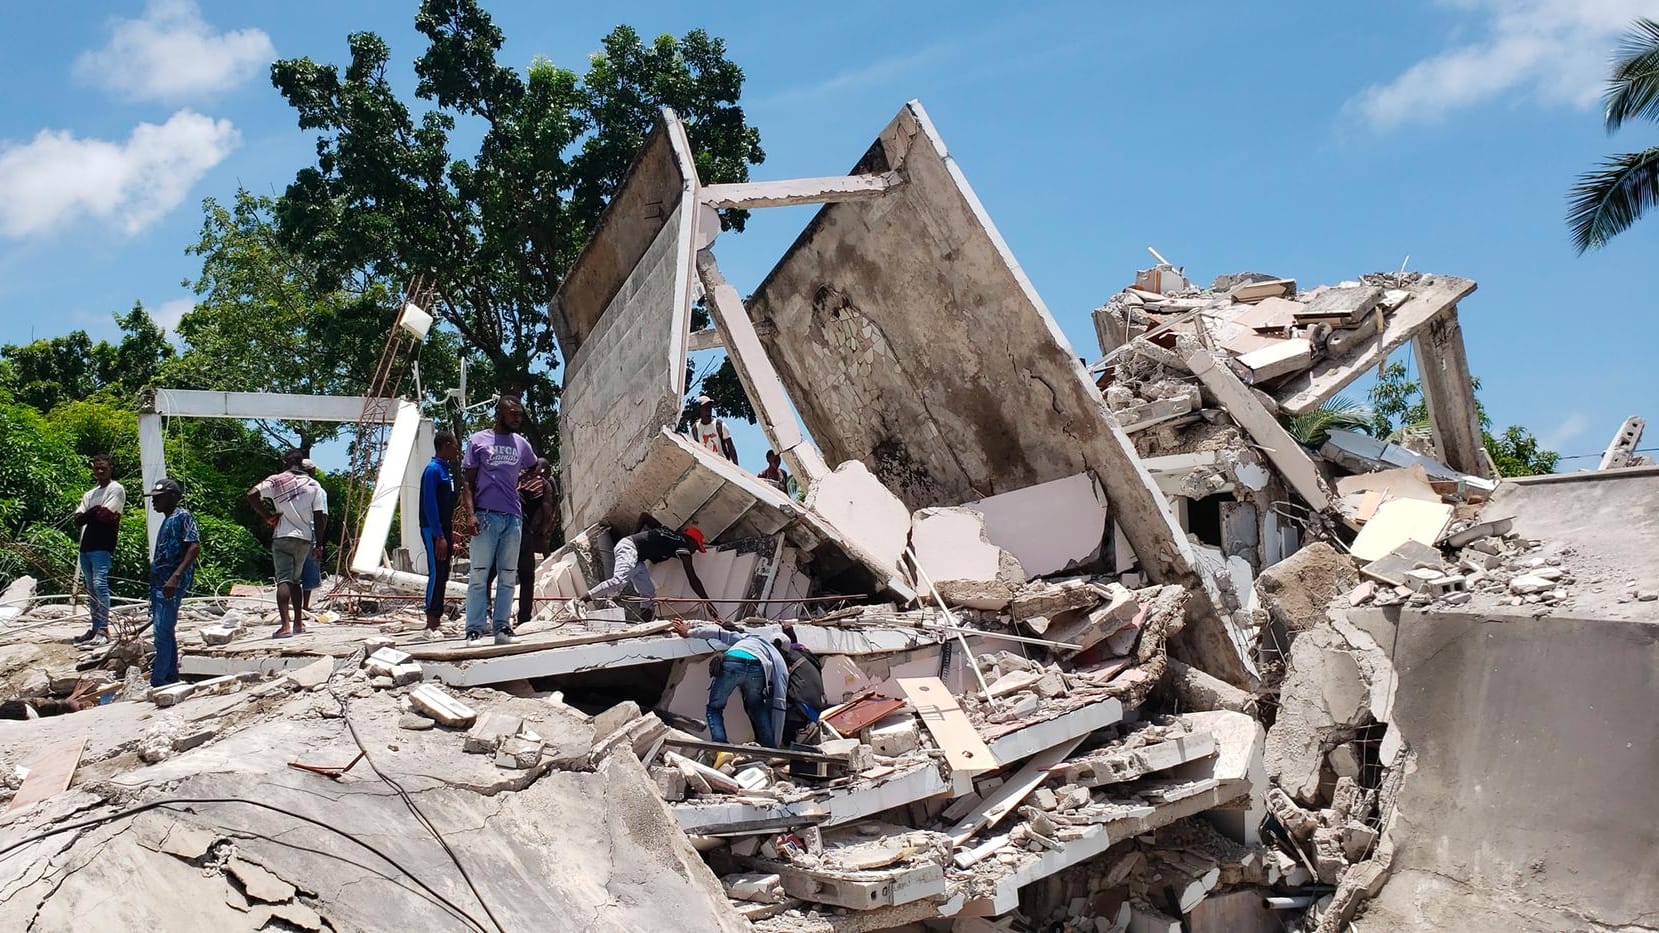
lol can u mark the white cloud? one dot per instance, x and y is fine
(1547, 51)
(169, 313)
(58, 177)
(1570, 427)
(172, 54)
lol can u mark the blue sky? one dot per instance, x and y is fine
(1317, 141)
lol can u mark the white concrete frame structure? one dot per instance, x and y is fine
(158, 403)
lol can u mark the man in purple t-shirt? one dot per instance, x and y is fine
(493, 460)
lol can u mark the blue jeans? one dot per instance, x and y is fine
(164, 620)
(494, 551)
(95, 568)
(757, 701)
(437, 571)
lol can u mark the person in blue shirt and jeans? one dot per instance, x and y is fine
(172, 570)
(437, 520)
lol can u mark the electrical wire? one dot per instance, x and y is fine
(414, 809)
(174, 803)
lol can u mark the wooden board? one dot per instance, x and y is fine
(1008, 796)
(49, 773)
(1398, 521)
(964, 749)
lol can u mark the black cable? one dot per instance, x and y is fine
(172, 803)
(414, 810)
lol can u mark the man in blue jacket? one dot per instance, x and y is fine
(753, 665)
(437, 520)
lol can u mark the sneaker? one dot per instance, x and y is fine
(429, 634)
(100, 640)
(84, 637)
(474, 638)
(504, 638)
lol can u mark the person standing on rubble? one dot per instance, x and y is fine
(711, 432)
(653, 544)
(437, 521)
(172, 570)
(538, 496)
(311, 577)
(298, 519)
(775, 473)
(750, 664)
(99, 518)
(494, 460)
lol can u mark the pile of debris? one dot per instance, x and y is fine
(1103, 648)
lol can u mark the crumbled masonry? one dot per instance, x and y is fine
(1104, 648)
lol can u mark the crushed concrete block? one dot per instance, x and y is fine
(314, 674)
(1044, 798)
(171, 694)
(1344, 760)
(382, 682)
(755, 887)
(671, 786)
(390, 657)
(613, 719)
(1357, 839)
(1296, 590)
(404, 674)
(436, 703)
(895, 735)
(517, 752)
(414, 722)
(1325, 697)
(484, 738)
(217, 634)
(259, 884)
(1362, 594)
(1073, 797)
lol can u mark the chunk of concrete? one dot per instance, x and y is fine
(1049, 528)
(436, 703)
(954, 551)
(1325, 697)
(895, 735)
(485, 737)
(1050, 599)
(852, 501)
(1296, 590)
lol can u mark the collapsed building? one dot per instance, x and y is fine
(1106, 647)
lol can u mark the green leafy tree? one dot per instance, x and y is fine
(1398, 406)
(1607, 200)
(48, 371)
(494, 232)
(267, 319)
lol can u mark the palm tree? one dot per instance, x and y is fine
(1609, 199)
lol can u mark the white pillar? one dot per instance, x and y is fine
(152, 453)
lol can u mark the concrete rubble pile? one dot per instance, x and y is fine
(1104, 647)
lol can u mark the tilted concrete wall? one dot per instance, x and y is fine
(625, 383)
(1532, 801)
(910, 340)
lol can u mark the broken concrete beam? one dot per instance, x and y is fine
(1119, 763)
(1197, 690)
(1119, 611)
(613, 719)
(1341, 306)
(486, 734)
(1281, 358)
(171, 694)
(436, 703)
(1146, 414)
(857, 890)
(1249, 292)
(1288, 456)
(1050, 599)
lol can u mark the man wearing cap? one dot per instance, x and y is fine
(653, 544)
(750, 664)
(172, 570)
(298, 520)
(711, 431)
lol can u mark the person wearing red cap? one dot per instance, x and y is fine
(653, 544)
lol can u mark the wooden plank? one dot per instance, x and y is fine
(1014, 790)
(964, 749)
(50, 773)
(1429, 299)
(524, 645)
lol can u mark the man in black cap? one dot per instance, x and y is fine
(172, 570)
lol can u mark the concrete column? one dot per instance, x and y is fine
(152, 453)
(409, 499)
(760, 380)
(1450, 394)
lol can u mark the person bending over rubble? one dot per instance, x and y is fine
(298, 517)
(494, 459)
(653, 544)
(806, 685)
(172, 570)
(751, 664)
(437, 520)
